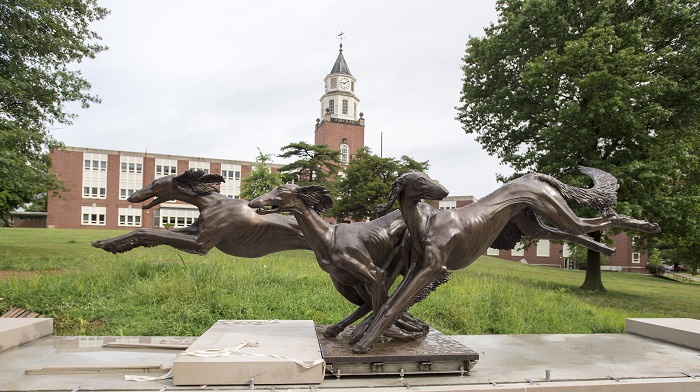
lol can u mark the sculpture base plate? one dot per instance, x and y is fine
(432, 354)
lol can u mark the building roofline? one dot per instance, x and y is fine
(164, 156)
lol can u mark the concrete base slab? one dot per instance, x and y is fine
(682, 331)
(240, 352)
(577, 363)
(17, 331)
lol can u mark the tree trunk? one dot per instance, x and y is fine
(594, 280)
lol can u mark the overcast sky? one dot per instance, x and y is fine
(220, 79)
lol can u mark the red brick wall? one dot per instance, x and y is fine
(332, 134)
(64, 211)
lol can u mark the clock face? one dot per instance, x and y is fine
(344, 83)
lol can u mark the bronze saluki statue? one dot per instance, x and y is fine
(227, 224)
(362, 258)
(453, 239)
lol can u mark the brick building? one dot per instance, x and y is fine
(99, 182)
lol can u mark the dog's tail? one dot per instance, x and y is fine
(601, 197)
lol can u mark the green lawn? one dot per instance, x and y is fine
(162, 291)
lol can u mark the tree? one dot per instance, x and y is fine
(557, 84)
(38, 42)
(261, 179)
(315, 164)
(366, 182)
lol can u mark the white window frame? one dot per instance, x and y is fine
(130, 217)
(178, 217)
(519, 250)
(198, 165)
(93, 216)
(331, 106)
(165, 167)
(130, 175)
(636, 257)
(447, 205)
(543, 248)
(345, 106)
(231, 188)
(344, 153)
(94, 176)
(492, 252)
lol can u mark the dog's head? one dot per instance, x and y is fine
(192, 182)
(286, 198)
(413, 186)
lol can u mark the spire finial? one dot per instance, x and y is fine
(341, 38)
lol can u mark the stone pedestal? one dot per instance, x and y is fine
(240, 352)
(682, 331)
(16, 331)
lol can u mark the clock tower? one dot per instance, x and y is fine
(341, 126)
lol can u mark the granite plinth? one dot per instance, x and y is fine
(682, 331)
(226, 355)
(433, 354)
(17, 331)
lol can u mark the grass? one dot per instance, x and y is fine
(162, 291)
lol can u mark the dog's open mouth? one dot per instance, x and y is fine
(267, 209)
(156, 200)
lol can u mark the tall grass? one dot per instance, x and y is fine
(161, 291)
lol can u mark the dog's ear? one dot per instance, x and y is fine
(212, 179)
(396, 189)
(315, 197)
(197, 182)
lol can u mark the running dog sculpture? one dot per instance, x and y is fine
(227, 224)
(362, 258)
(453, 239)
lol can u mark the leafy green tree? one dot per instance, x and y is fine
(38, 42)
(556, 84)
(315, 164)
(366, 182)
(261, 180)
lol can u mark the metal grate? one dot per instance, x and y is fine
(20, 313)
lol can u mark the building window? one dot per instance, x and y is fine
(197, 165)
(331, 106)
(165, 167)
(334, 83)
(345, 153)
(93, 216)
(131, 167)
(636, 257)
(94, 176)
(178, 217)
(130, 217)
(94, 192)
(492, 252)
(543, 248)
(447, 204)
(130, 176)
(519, 250)
(352, 85)
(345, 106)
(231, 188)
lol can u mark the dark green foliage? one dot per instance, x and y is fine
(367, 181)
(316, 164)
(611, 84)
(261, 179)
(38, 42)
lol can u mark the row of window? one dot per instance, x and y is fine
(543, 251)
(131, 175)
(344, 109)
(95, 216)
